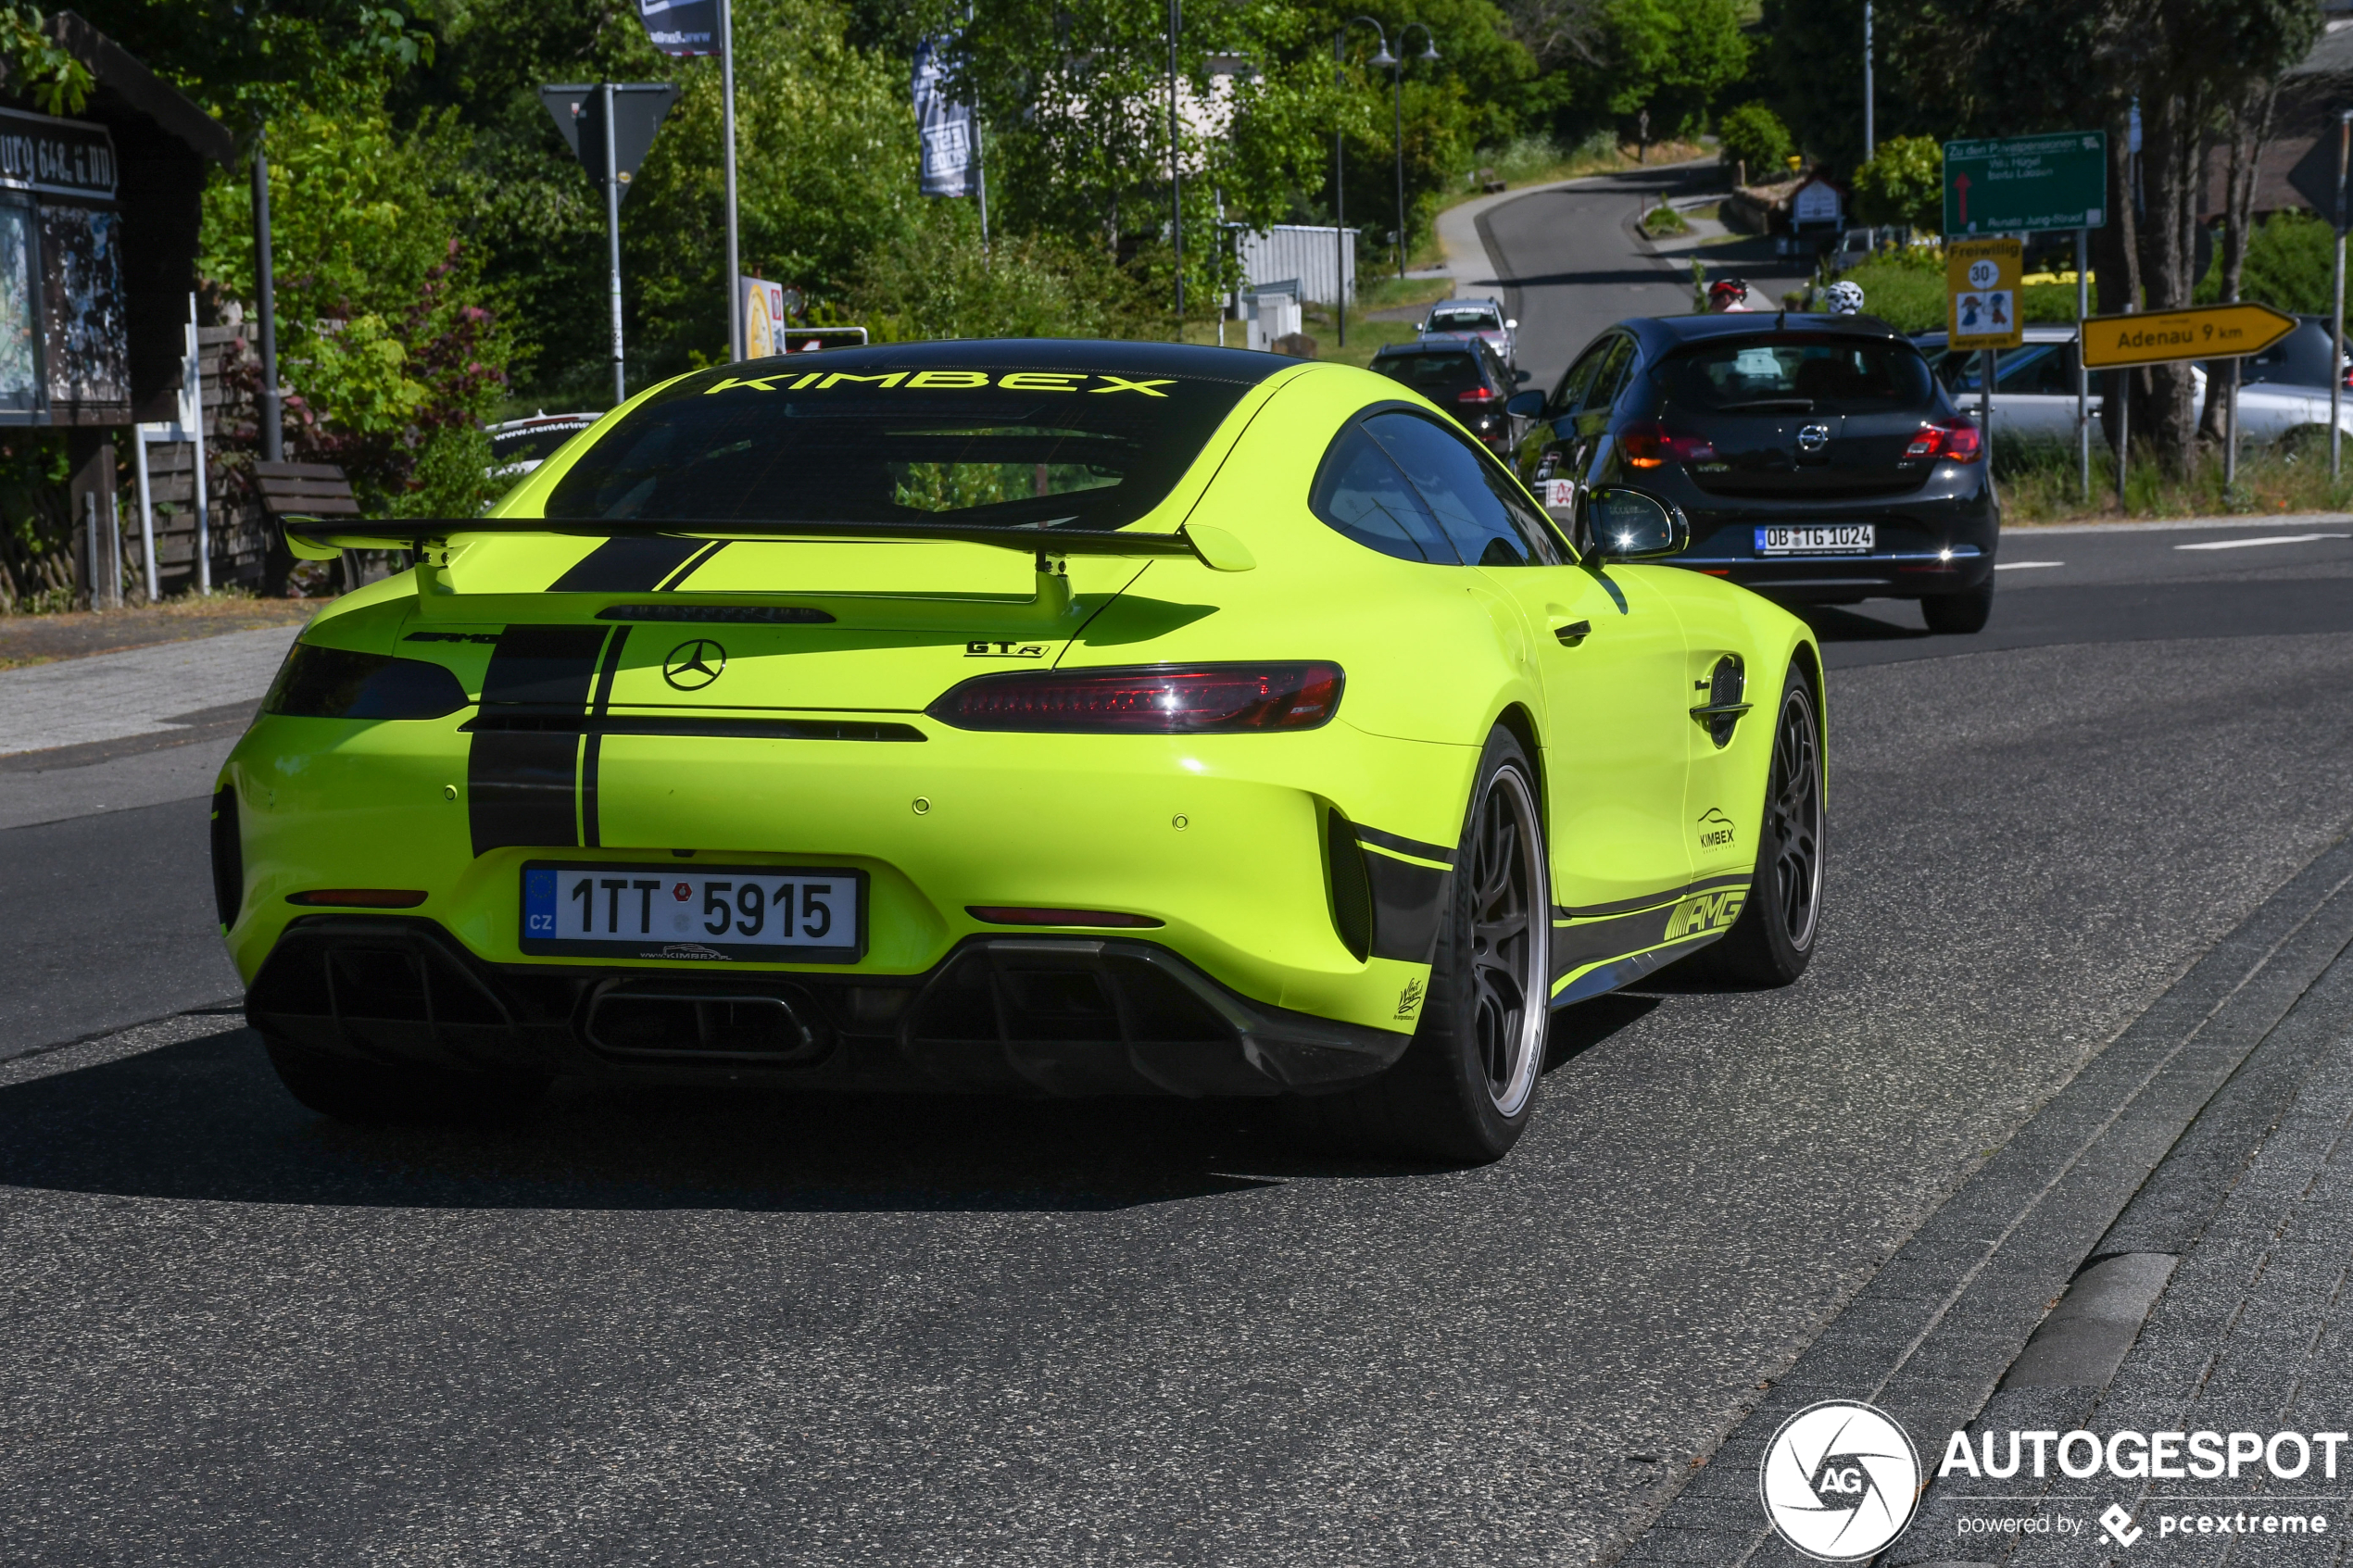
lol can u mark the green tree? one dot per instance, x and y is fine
(1753, 136)
(1903, 184)
(1669, 56)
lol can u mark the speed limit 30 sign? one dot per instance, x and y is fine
(1982, 289)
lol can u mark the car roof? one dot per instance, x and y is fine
(1489, 303)
(1435, 343)
(1115, 356)
(1663, 335)
(2045, 332)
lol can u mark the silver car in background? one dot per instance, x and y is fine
(2284, 390)
(1475, 317)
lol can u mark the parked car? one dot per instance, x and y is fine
(1815, 457)
(1482, 319)
(2034, 386)
(1462, 375)
(519, 445)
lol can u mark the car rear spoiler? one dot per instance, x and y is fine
(317, 538)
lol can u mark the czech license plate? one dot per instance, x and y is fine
(1818, 539)
(767, 914)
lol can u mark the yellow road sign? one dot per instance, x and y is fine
(1980, 284)
(2212, 332)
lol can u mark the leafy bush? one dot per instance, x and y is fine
(2288, 266)
(1903, 182)
(933, 281)
(1754, 136)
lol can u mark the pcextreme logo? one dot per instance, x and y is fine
(1839, 1481)
(1705, 911)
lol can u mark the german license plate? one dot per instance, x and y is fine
(767, 914)
(1818, 539)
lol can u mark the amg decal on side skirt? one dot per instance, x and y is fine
(1705, 911)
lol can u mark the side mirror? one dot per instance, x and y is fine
(1628, 525)
(1525, 404)
(1511, 326)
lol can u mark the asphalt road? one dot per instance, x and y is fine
(691, 1328)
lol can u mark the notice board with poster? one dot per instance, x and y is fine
(65, 342)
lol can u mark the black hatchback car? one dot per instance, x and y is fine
(1816, 458)
(1464, 376)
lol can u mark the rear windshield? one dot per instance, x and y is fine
(1787, 372)
(872, 442)
(1438, 376)
(1475, 318)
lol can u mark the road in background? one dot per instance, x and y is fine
(692, 1327)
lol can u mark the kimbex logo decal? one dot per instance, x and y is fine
(1839, 1481)
(946, 381)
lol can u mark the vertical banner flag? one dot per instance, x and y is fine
(684, 28)
(946, 127)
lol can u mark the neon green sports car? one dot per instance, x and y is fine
(1063, 716)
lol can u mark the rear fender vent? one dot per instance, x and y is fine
(227, 859)
(1350, 887)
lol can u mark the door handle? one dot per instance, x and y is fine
(1574, 633)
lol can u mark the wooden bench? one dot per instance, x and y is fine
(319, 490)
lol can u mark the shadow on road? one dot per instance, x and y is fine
(207, 1120)
(1833, 624)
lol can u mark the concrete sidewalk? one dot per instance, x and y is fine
(138, 728)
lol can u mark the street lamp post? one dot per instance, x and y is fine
(1396, 98)
(1176, 172)
(1339, 166)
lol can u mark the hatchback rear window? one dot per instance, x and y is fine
(847, 439)
(1437, 377)
(1473, 320)
(1787, 372)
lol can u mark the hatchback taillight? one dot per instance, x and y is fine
(1649, 445)
(1156, 699)
(1479, 394)
(1956, 441)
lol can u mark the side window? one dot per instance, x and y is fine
(1359, 493)
(1476, 504)
(1580, 380)
(1612, 381)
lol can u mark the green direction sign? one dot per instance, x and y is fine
(2026, 184)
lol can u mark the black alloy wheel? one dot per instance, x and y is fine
(1466, 1087)
(1773, 940)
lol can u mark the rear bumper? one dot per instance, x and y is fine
(1927, 545)
(1049, 1015)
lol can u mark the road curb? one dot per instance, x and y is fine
(1930, 1335)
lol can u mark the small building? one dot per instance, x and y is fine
(99, 219)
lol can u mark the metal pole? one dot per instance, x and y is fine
(195, 436)
(1869, 143)
(146, 511)
(1340, 197)
(1397, 100)
(2082, 376)
(613, 238)
(1176, 172)
(2231, 429)
(980, 183)
(2337, 290)
(737, 349)
(90, 538)
(1985, 406)
(2123, 431)
(274, 428)
(114, 550)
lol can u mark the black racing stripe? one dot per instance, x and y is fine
(635, 565)
(522, 787)
(693, 564)
(1609, 936)
(1404, 845)
(589, 834)
(1650, 900)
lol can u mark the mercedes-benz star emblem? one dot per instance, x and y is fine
(1813, 438)
(692, 665)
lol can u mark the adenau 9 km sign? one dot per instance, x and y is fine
(2026, 184)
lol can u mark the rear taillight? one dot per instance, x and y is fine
(1648, 446)
(1479, 394)
(1158, 699)
(1956, 441)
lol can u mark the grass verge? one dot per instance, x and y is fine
(2042, 484)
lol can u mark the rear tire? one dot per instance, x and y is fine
(371, 1093)
(1465, 1088)
(1773, 940)
(1959, 614)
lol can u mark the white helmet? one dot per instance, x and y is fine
(1845, 298)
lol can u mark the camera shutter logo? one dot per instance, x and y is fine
(1839, 1481)
(692, 665)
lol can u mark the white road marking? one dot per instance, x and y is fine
(2024, 565)
(2271, 539)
